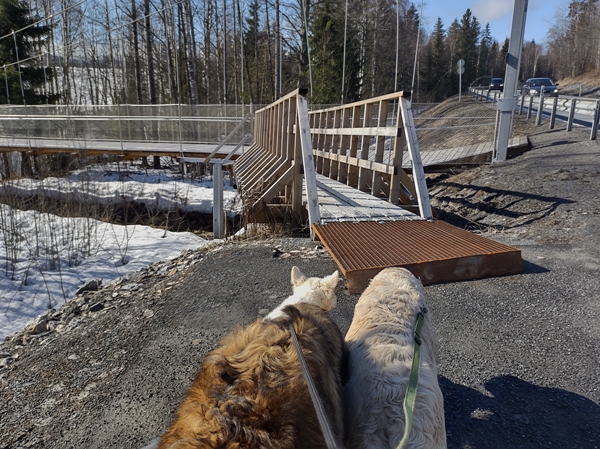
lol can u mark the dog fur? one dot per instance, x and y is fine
(251, 392)
(316, 291)
(380, 340)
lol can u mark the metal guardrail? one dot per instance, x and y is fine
(586, 108)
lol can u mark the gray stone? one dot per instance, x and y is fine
(96, 307)
(89, 286)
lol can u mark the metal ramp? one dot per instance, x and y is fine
(434, 251)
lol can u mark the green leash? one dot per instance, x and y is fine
(411, 390)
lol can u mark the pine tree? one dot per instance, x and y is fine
(436, 69)
(327, 53)
(16, 15)
(483, 61)
(467, 46)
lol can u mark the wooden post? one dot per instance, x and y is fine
(364, 147)
(310, 177)
(297, 183)
(379, 147)
(399, 143)
(352, 178)
(335, 144)
(342, 175)
(417, 164)
(530, 107)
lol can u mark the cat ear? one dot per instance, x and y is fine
(331, 281)
(297, 277)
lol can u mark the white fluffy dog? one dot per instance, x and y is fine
(316, 291)
(380, 340)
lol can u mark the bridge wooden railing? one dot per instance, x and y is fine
(359, 144)
(362, 144)
(272, 171)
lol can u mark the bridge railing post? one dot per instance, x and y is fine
(218, 214)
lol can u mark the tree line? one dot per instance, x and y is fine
(234, 51)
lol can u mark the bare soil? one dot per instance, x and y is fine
(519, 355)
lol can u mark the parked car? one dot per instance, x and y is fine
(497, 84)
(533, 86)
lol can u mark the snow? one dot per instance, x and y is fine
(53, 256)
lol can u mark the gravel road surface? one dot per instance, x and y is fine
(520, 355)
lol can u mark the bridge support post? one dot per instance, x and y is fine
(218, 222)
(308, 162)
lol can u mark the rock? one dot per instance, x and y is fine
(132, 287)
(89, 286)
(96, 307)
(40, 325)
(148, 313)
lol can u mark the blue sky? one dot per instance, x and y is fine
(541, 14)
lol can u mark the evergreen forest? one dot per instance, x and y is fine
(254, 51)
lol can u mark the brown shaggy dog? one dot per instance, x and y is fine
(251, 393)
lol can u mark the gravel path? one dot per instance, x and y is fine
(520, 355)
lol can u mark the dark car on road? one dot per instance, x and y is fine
(534, 86)
(497, 84)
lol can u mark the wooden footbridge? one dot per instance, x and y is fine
(341, 169)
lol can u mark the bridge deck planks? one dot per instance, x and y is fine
(339, 202)
(129, 148)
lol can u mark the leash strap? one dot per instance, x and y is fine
(314, 394)
(411, 390)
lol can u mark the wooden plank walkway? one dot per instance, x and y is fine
(129, 149)
(339, 203)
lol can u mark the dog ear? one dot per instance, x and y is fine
(331, 281)
(297, 277)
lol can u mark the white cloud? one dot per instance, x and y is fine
(491, 10)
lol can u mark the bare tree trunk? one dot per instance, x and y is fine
(245, 56)
(192, 70)
(6, 174)
(277, 52)
(136, 52)
(151, 80)
(224, 51)
(207, 36)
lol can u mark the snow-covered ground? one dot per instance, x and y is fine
(44, 258)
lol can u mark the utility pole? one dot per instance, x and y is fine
(506, 105)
